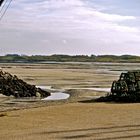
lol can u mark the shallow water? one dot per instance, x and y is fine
(100, 89)
(61, 96)
(95, 89)
(44, 87)
(57, 96)
(54, 95)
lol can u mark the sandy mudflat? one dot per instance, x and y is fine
(98, 121)
(75, 118)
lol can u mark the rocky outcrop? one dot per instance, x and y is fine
(12, 85)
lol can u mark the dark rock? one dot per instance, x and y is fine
(12, 85)
(126, 89)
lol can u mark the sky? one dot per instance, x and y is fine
(74, 27)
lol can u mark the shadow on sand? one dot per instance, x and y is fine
(113, 99)
(97, 133)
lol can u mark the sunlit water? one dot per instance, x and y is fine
(94, 89)
(44, 87)
(57, 96)
(61, 96)
(100, 89)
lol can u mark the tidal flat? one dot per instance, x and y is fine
(77, 117)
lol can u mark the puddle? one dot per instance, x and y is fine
(61, 96)
(95, 89)
(57, 96)
(54, 95)
(100, 89)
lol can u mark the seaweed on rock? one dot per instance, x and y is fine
(12, 85)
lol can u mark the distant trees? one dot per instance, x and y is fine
(68, 58)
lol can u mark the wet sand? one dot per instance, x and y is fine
(75, 118)
(86, 121)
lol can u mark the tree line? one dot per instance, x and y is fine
(11, 58)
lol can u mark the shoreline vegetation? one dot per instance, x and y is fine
(16, 58)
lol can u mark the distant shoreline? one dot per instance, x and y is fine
(15, 58)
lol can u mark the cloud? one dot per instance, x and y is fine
(112, 17)
(70, 20)
(39, 12)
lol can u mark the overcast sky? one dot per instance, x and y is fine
(72, 27)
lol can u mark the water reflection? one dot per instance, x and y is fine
(57, 96)
(94, 89)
